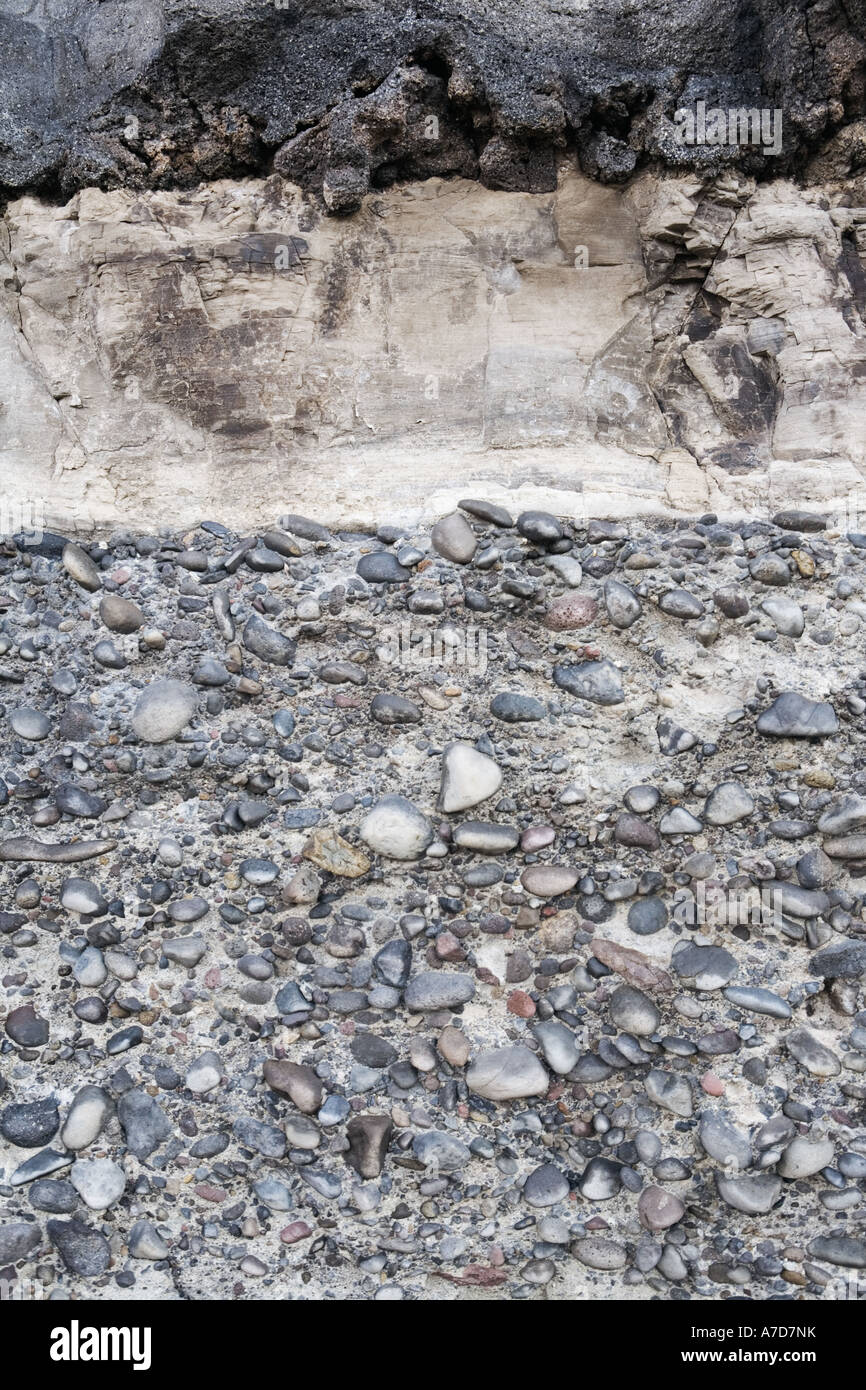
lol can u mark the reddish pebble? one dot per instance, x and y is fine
(212, 977)
(570, 611)
(712, 1085)
(520, 1003)
(209, 1193)
(448, 947)
(298, 1230)
(497, 1256)
(537, 837)
(347, 1028)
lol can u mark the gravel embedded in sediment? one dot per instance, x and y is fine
(471, 908)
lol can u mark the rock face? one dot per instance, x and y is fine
(683, 397)
(327, 325)
(339, 97)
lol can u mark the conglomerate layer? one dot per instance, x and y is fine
(474, 912)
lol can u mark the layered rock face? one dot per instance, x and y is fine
(342, 97)
(684, 343)
(366, 255)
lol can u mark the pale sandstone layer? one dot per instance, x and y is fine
(231, 351)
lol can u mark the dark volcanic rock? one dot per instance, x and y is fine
(30, 1125)
(173, 91)
(82, 1249)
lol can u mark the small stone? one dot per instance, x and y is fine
(90, 1109)
(373, 1051)
(382, 567)
(83, 1250)
(468, 777)
(297, 1081)
(709, 967)
(728, 803)
(722, 1141)
(437, 989)
(622, 604)
(794, 716)
(29, 724)
(119, 614)
(811, 1054)
(439, 1150)
(507, 1073)
(487, 511)
(659, 1210)
(596, 681)
(545, 1186)
(184, 950)
(204, 1074)
(785, 615)
(635, 833)
(18, 1240)
(671, 1092)
(558, 1044)
(454, 1046)
(30, 1125)
(394, 709)
(758, 1001)
(259, 1137)
(844, 960)
(548, 880)
(646, 916)
(369, 1137)
(848, 1251)
(144, 1125)
(539, 527)
(731, 601)
(454, 539)
(753, 1195)
(163, 710)
(570, 611)
(396, 828)
(48, 1194)
(99, 1182)
(514, 708)
(679, 603)
(597, 1252)
(26, 1028)
(804, 1157)
(770, 569)
(329, 851)
(601, 1180)
(265, 642)
(81, 895)
(483, 837)
(145, 1242)
(633, 1012)
(80, 567)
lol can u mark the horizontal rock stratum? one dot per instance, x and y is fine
(231, 351)
(344, 97)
